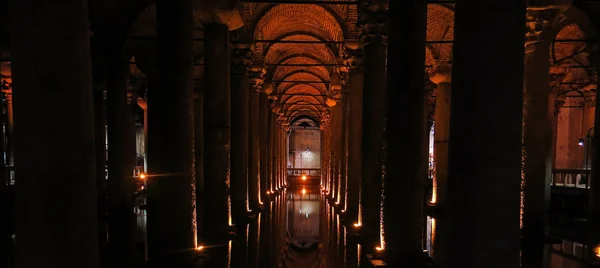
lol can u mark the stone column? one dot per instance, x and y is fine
(120, 162)
(55, 219)
(442, 78)
(240, 84)
(484, 153)
(100, 152)
(10, 161)
(142, 103)
(199, 154)
(170, 134)
(264, 142)
(404, 128)
(5, 199)
(270, 150)
(217, 124)
(537, 139)
(355, 114)
(372, 18)
(594, 192)
(254, 160)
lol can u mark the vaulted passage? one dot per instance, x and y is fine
(299, 133)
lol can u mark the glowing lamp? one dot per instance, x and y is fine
(357, 225)
(142, 176)
(199, 248)
(303, 177)
(580, 142)
(303, 191)
(379, 248)
(597, 251)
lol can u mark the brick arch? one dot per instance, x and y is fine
(280, 51)
(304, 118)
(257, 12)
(440, 26)
(302, 89)
(300, 75)
(298, 113)
(303, 36)
(566, 54)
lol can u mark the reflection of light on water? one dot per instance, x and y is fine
(432, 233)
(597, 251)
(229, 254)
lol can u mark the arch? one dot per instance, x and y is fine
(440, 26)
(301, 118)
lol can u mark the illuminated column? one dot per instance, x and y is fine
(170, 134)
(355, 112)
(484, 153)
(199, 154)
(56, 221)
(372, 16)
(241, 60)
(537, 136)
(264, 141)
(142, 104)
(405, 160)
(254, 160)
(333, 168)
(594, 191)
(100, 153)
(121, 159)
(271, 149)
(217, 123)
(442, 78)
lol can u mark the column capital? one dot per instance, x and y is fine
(241, 57)
(558, 103)
(538, 25)
(590, 98)
(353, 56)
(442, 73)
(231, 17)
(257, 78)
(372, 19)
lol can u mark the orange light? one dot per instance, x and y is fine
(379, 248)
(303, 177)
(597, 251)
(199, 248)
(357, 225)
(303, 191)
(142, 176)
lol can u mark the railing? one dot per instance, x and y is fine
(311, 172)
(572, 178)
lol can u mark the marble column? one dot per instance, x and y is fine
(217, 123)
(240, 84)
(537, 140)
(199, 154)
(484, 153)
(372, 16)
(5, 199)
(264, 142)
(170, 134)
(442, 78)
(100, 175)
(594, 192)
(56, 220)
(355, 114)
(405, 134)
(254, 160)
(121, 159)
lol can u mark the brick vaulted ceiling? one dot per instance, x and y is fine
(301, 47)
